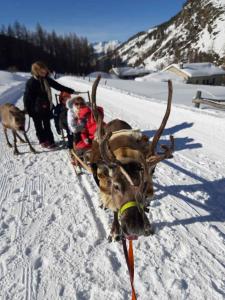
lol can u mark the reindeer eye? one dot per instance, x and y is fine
(152, 171)
(116, 186)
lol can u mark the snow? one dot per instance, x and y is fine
(161, 76)
(198, 69)
(11, 86)
(7, 78)
(218, 3)
(129, 71)
(210, 38)
(53, 234)
(103, 75)
(104, 47)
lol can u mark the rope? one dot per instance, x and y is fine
(129, 256)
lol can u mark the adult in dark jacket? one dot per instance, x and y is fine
(38, 101)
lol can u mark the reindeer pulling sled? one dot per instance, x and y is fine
(122, 162)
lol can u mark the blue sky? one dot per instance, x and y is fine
(96, 20)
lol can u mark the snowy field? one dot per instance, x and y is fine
(53, 235)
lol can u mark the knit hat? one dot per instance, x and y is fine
(70, 102)
(64, 96)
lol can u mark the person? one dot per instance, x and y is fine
(38, 101)
(81, 123)
(60, 117)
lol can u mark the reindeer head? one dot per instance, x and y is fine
(121, 188)
(17, 119)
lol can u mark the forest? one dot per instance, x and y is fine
(20, 47)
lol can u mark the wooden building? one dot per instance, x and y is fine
(198, 73)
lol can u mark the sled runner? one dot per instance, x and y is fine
(78, 162)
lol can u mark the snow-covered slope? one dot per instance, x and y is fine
(194, 34)
(53, 234)
(104, 47)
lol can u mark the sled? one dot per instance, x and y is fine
(79, 163)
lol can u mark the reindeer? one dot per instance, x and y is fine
(13, 118)
(122, 162)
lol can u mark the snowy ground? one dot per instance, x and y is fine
(53, 233)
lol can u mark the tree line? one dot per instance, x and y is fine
(20, 47)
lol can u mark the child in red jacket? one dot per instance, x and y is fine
(82, 123)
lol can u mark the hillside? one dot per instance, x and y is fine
(196, 33)
(102, 48)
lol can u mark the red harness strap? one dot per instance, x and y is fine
(130, 264)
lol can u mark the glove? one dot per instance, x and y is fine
(87, 141)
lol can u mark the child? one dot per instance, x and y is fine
(60, 117)
(81, 123)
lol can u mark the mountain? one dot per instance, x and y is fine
(196, 33)
(102, 48)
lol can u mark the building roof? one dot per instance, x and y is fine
(198, 69)
(128, 71)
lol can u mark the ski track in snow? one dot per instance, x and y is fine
(53, 235)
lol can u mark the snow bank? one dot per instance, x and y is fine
(161, 77)
(7, 78)
(199, 69)
(11, 86)
(103, 75)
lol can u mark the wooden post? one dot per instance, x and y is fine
(197, 97)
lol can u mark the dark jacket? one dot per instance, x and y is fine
(36, 99)
(60, 117)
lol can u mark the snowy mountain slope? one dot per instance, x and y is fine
(103, 47)
(195, 34)
(53, 233)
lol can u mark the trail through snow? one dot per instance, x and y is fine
(53, 234)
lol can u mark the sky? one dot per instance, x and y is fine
(97, 20)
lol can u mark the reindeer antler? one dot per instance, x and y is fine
(93, 98)
(164, 121)
(98, 117)
(168, 150)
(106, 154)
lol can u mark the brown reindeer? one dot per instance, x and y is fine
(13, 118)
(123, 161)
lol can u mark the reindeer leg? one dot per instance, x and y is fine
(16, 152)
(19, 137)
(115, 233)
(27, 140)
(6, 136)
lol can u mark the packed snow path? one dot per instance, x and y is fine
(53, 235)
